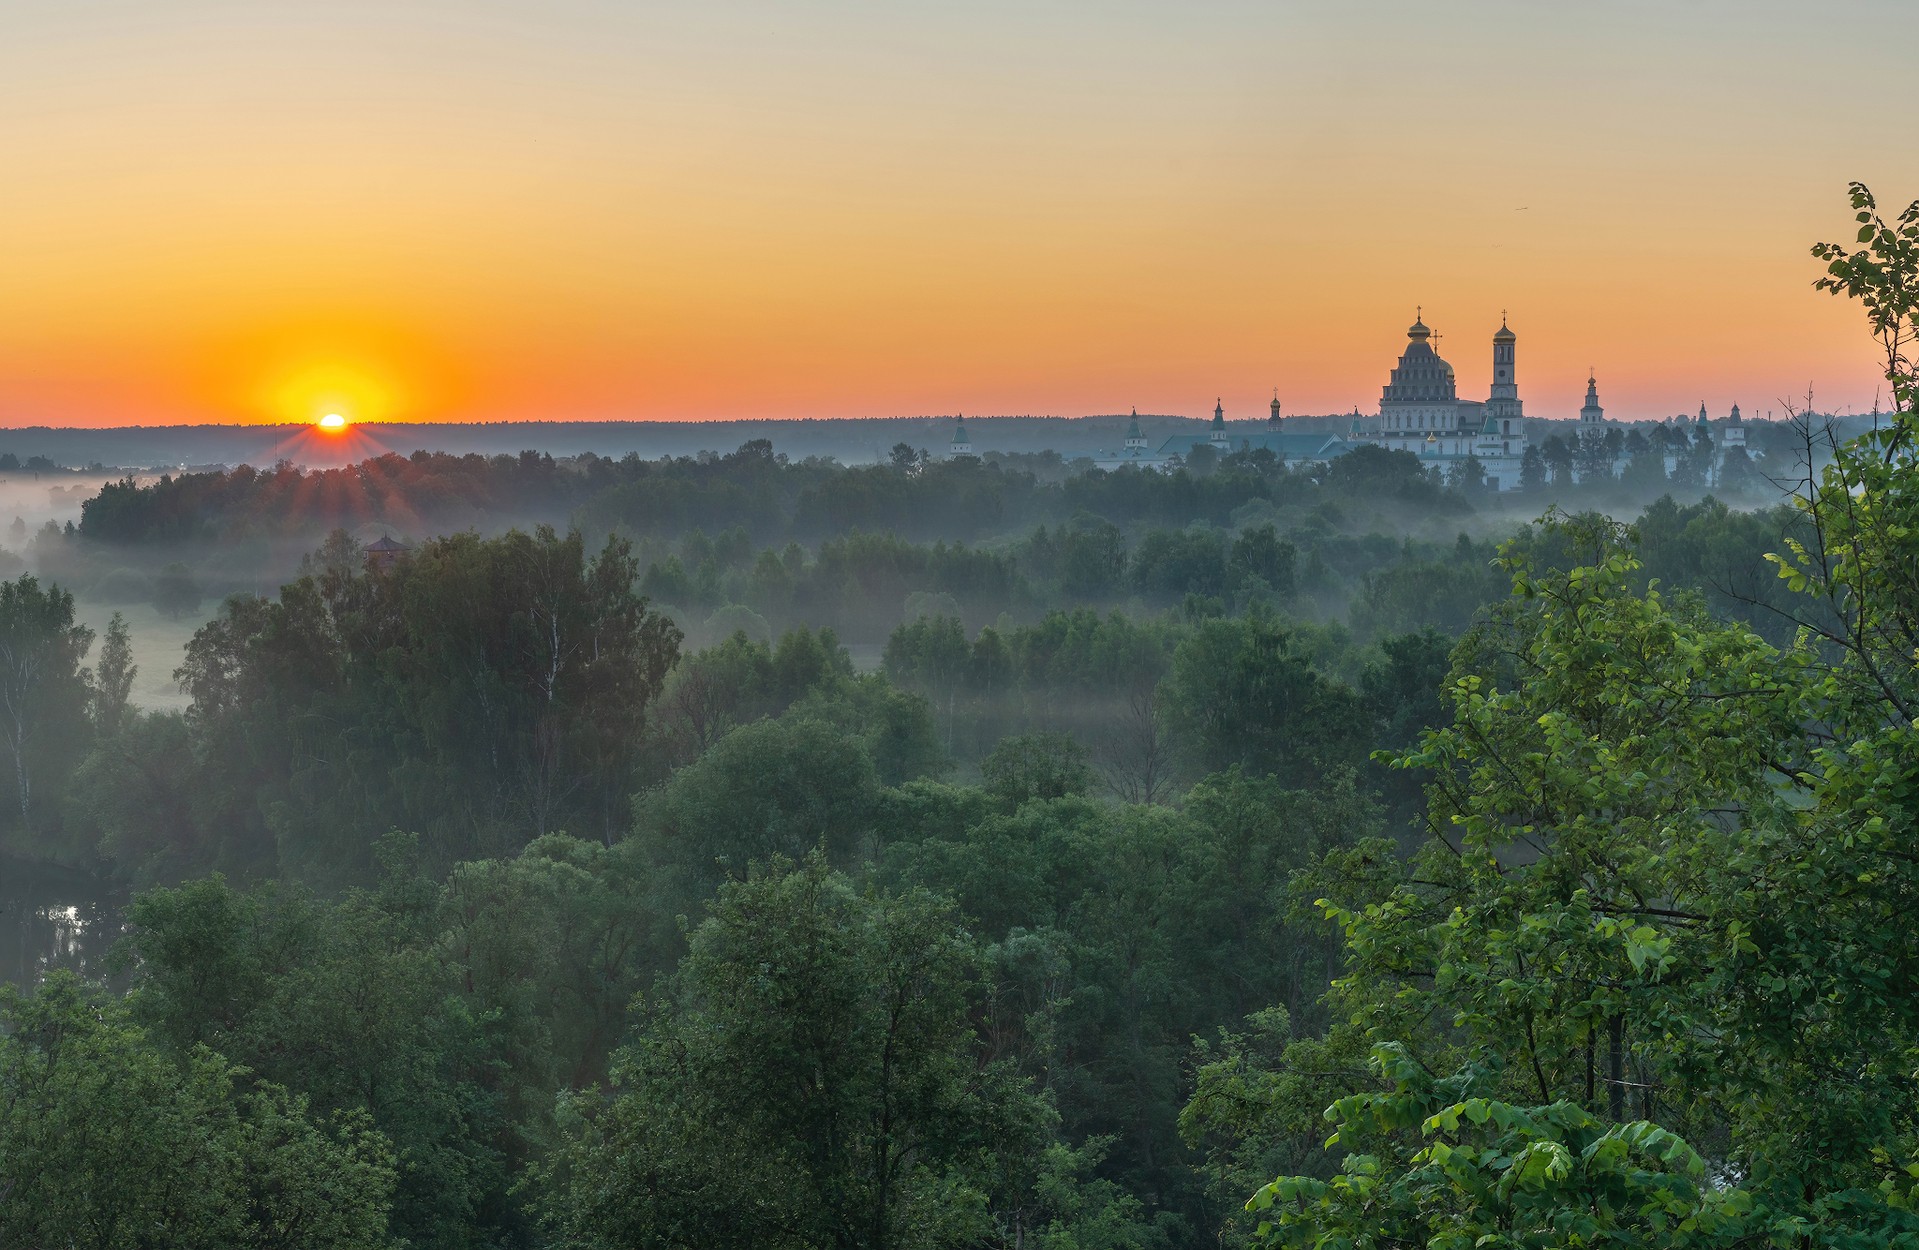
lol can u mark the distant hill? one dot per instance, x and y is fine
(851, 440)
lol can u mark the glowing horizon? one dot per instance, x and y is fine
(223, 212)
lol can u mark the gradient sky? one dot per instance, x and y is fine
(259, 211)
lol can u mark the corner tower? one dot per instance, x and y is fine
(1734, 435)
(961, 448)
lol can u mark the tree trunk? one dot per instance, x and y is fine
(1616, 1068)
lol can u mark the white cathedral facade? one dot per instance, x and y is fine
(1420, 410)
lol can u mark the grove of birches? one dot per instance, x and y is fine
(988, 854)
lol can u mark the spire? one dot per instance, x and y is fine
(1274, 418)
(1592, 414)
(1219, 415)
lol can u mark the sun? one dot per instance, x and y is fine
(332, 421)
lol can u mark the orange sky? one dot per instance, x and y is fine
(581, 210)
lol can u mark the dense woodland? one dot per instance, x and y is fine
(749, 541)
(574, 886)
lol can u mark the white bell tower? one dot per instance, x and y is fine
(1591, 416)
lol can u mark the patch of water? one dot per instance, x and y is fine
(55, 918)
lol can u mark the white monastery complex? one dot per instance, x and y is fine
(1420, 412)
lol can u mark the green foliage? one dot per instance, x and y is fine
(896, 728)
(1467, 476)
(1259, 556)
(1035, 766)
(1402, 687)
(1370, 472)
(44, 698)
(811, 1078)
(1443, 592)
(1252, 1112)
(1090, 556)
(350, 1005)
(1532, 470)
(1606, 796)
(549, 949)
(113, 677)
(176, 593)
(108, 1141)
(1883, 275)
(1119, 933)
(1240, 693)
(1171, 564)
(774, 787)
(137, 796)
(711, 692)
(1487, 1172)
(480, 691)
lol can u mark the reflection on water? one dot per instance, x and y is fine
(54, 918)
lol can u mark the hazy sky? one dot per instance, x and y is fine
(260, 211)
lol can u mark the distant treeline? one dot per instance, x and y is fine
(766, 494)
(915, 497)
(36, 465)
(430, 491)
